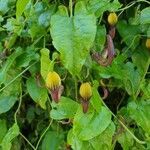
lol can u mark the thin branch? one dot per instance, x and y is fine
(17, 76)
(124, 126)
(37, 145)
(27, 140)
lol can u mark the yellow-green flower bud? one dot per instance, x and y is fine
(85, 91)
(53, 80)
(147, 43)
(112, 19)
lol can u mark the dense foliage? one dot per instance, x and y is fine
(72, 79)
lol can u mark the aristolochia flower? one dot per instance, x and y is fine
(148, 43)
(53, 80)
(85, 91)
(112, 19)
(53, 83)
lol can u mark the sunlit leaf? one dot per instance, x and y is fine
(89, 125)
(73, 36)
(46, 63)
(10, 135)
(96, 99)
(145, 16)
(139, 111)
(100, 38)
(66, 108)
(104, 140)
(100, 6)
(52, 140)
(20, 7)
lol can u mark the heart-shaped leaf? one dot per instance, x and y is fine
(73, 36)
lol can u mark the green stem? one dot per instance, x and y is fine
(144, 74)
(37, 40)
(144, 1)
(128, 6)
(37, 145)
(76, 88)
(124, 126)
(27, 140)
(132, 43)
(70, 7)
(15, 117)
(20, 101)
(44, 42)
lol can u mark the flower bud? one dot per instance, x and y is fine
(85, 91)
(112, 19)
(53, 80)
(53, 83)
(147, 43)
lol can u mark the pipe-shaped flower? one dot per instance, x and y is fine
(53, 80)
(112, 19)
(147, 43)
(85, 91)
(53, 83)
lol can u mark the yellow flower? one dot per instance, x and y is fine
(112, 19)
(85, 91)
(53, 80)
(148, 43)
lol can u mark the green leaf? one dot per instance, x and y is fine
(104, 140)
(144, 57)
(16, 144)
(132, 39)
(8, 64)
(38, 94)
(4, 6)
(11, 41)
(96, 99)
(139, 111)
(100, 6)
(52, 140)
(115, 70)
(36, 31)
(26, 57)
(126, 140)
(77, 144)
(145, 88)
(73, 36)
(14, 88)
(148, 32)
(3, 129)
(66, 108)
(44, 18)
(6, 103)
(89, 125)
(145, 16)
(100, 38)
(46, 63)
(10, 135)
(131, 79)
(20, 7)
(9, 95)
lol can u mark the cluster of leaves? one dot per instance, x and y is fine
(40, 36)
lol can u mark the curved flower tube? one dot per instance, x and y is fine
(108, 51)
